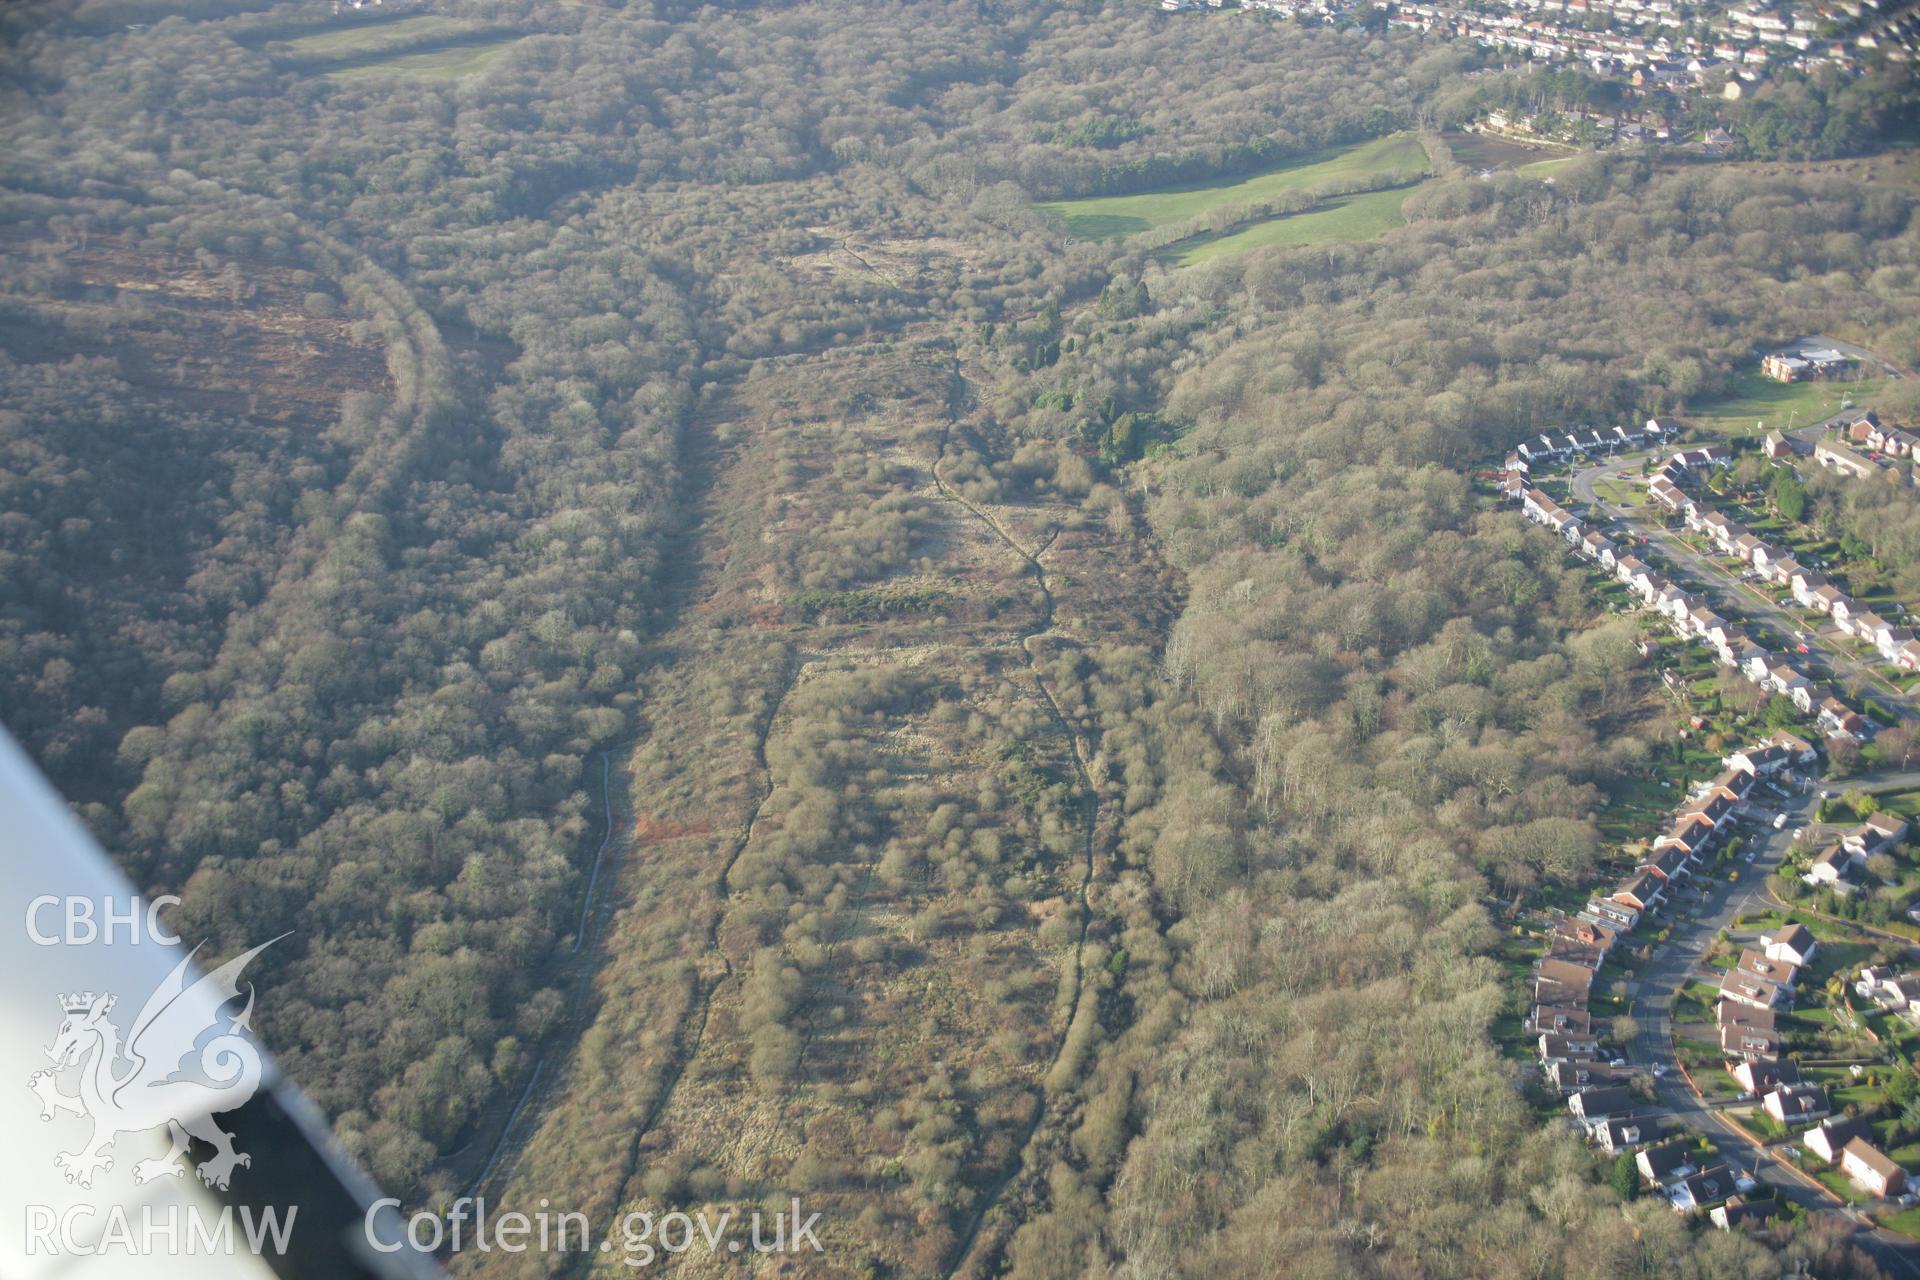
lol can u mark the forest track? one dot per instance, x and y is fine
(580, 961)
(846, 247)
(691, 1044)
(1090, 804)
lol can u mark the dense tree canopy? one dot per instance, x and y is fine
(1216, 814)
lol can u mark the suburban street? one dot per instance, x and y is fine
(1698, 918)
(1696, 923)
(1730, 594)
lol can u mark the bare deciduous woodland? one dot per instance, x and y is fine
(1068, 719)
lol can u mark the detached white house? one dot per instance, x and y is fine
(1664, 1164)
(1761, 760)
(1871, 1170)
(1880, 831)
(1792, 944)
(1833, 869)
(1828, 1138)
(1591, 1105)
(1703, 1190)
(1798, 1104)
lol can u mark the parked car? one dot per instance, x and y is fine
(1779, 822)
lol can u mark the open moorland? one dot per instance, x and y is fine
(869, 872)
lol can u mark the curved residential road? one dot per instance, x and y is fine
(1730, 593)
(1696, 920)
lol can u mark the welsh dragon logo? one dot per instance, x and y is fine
(162, 1074)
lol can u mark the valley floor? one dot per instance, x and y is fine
(880, 1043)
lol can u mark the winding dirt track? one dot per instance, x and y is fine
(690, 1048)
(964, 1252)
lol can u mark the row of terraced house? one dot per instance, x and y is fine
(1597, 1090)
(1590, 442)
(1689, 615)
(1895, 643)
(1762, 981)
(1753, 992)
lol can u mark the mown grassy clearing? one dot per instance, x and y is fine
(428, 46)
(1101, 217)
(1545, 168)
(1355, 217)
(448, 63)
(1753, 398)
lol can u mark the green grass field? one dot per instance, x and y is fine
(1622, 493)
(1357, 217)
(449, 63)
(1752, 398)
(1903, 801)
(429, 46)
(1101, 217)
